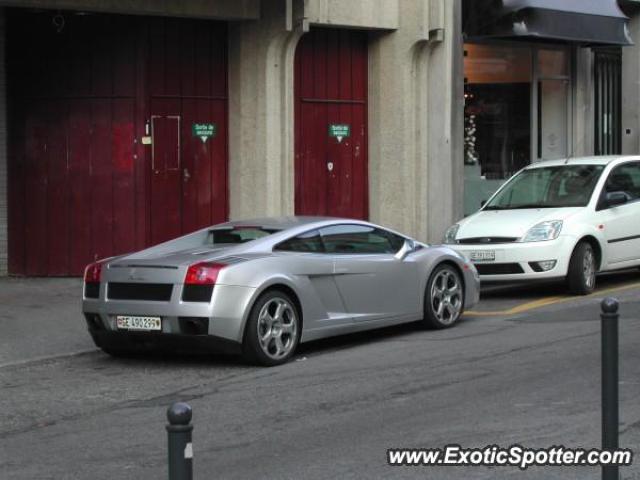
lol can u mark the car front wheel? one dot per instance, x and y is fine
(581, 277)
(444, 297)
(273, 329)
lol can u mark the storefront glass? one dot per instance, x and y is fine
(517, 103)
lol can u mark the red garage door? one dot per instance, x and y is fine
(188, 118)
(331, 124)
(103, 159)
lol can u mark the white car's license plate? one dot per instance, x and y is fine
(129, 322)
(483, 256)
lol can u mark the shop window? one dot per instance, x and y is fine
(497, 108)
(517, 111)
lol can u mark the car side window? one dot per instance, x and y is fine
(396, 241)
(309, 242)
(359, 239)
(625, 179)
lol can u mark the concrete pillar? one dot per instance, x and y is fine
(3, 149)
(583, 103)
(415, 121)
(631, 91)
(445, 125)
(261, 143)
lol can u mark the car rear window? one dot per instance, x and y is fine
(236, 235)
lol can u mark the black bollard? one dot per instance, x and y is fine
(180, 447)
(609, 319)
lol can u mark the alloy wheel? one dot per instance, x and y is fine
(589, 268)
(277, 328)
(446, 296)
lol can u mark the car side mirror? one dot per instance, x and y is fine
(483, 203)
(613, 199)
(408, 247)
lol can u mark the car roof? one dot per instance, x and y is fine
(282, 223)
(593, 160)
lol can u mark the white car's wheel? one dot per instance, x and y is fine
(444, 297)
(581, 277)
(273, 329)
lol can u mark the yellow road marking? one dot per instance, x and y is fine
(543, 302)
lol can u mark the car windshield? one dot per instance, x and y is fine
(548, 187)
(235, 235)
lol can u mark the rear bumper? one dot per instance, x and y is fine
(226, 311)
(178, 343)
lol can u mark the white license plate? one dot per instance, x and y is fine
(129, 322)
(483, 256)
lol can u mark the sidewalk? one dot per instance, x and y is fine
(41, 317)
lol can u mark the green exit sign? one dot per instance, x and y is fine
(339, 131)
(204, 131)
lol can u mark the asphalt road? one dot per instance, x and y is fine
(531, 378)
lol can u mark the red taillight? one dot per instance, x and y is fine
(93, 272)
(205, 273)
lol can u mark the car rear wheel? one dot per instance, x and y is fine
(273, 329)
(444, 297)
(581, 277)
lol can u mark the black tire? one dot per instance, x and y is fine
(288, 328)
(581, 279)
(445, 309)
(118, 352)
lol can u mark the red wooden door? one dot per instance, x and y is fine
(71, 146)
(81, 181)
(331, 124)
(188, 91)
(166, 178)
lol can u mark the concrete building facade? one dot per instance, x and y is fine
(282, 119)
(409, 55)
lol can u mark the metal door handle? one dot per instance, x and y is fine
(185, 175)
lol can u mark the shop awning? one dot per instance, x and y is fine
(586, 22)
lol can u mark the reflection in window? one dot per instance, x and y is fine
(626, 179)
(359, 239)
(497, 108)
(548, 187)
(552, 63)
(238, 234)
(309, 242)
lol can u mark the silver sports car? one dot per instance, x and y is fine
(262, 286)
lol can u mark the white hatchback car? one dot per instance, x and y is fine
(557, 219)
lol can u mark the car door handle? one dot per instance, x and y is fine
(186, 175)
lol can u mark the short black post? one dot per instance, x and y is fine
(609, 319)
(180, 447)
